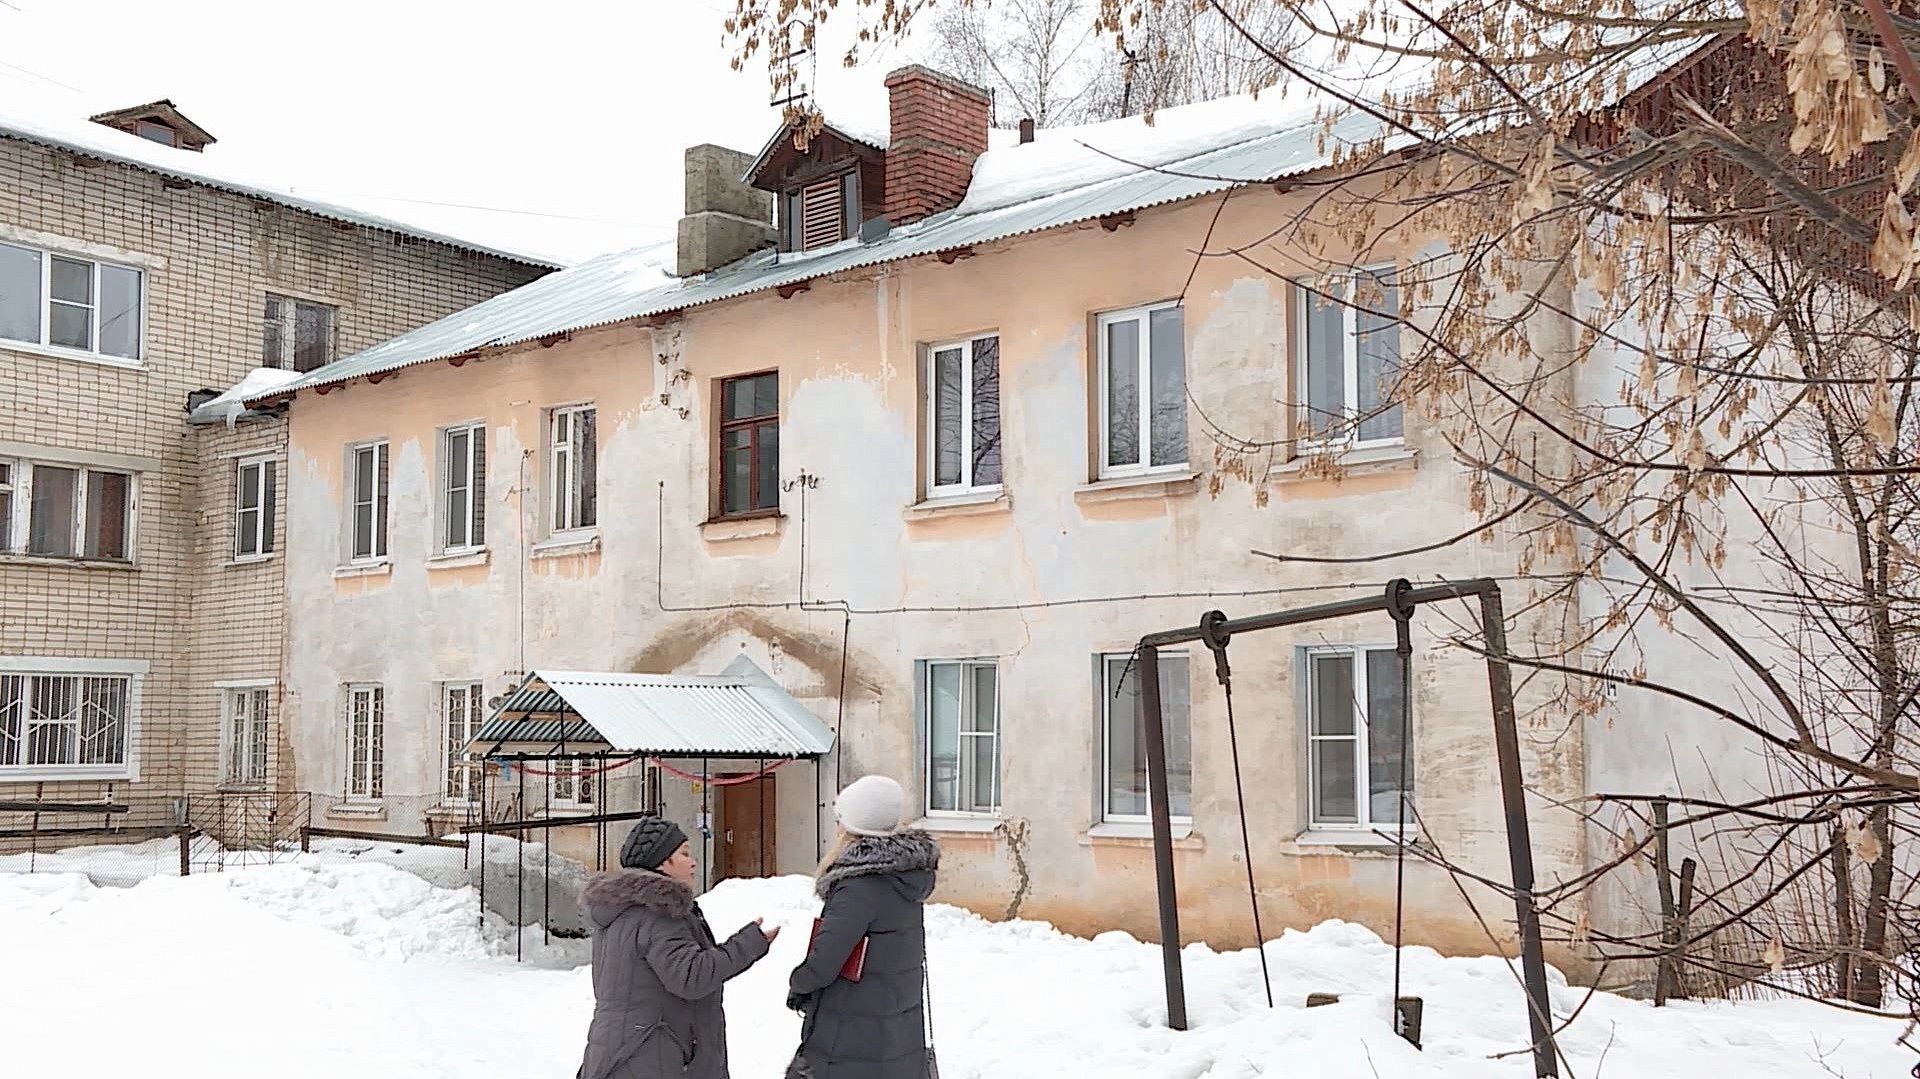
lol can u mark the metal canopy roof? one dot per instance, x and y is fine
(738, 713)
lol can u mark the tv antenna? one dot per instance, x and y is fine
(792, 92)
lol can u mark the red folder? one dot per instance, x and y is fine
(856, 960)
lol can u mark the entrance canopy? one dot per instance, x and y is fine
(740, 714)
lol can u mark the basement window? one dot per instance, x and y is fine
(820, 213)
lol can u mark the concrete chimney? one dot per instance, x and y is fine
(726, 220)
(937, 127)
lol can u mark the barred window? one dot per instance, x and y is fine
(55, 722)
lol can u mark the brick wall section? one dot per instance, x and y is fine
(212, 258)
(937, 127)
(238, 621)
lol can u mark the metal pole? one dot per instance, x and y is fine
(1319, 613)
(520, 879)
(1506, 741)
(486, 774)
(1157, 802)
(760, 785)
(706, 822)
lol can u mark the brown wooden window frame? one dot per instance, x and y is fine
(753, 425)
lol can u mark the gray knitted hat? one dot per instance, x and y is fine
(651, 842)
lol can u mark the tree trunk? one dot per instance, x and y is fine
(1844, 940)
(1867, 980)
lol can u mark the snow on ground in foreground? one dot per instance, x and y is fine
(327, 968)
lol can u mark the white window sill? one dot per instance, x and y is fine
(1371, 460)
(728, 529)
(57, 353)
(958, 825)
(358, 811)
(1383, 838)
(458, 559)
(60, 772)
(563, 812)
(1138, 834)
(249, 560)
(961, 504)
(1146, 485)
(256, 787)
(73, 563)
(566, 545)
(381, 568)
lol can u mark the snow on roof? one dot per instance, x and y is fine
(81, 136)
(1065, 177)
(229, 406)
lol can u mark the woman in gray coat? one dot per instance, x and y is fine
(657, 970)
(874, 885)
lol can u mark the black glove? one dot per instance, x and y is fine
(800, 1002)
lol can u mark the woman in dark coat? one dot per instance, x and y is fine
(874, 885)
(657, 970)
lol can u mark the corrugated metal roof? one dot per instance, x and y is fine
(601, 291)
(102, 143)
(610, 289)
(739, 713)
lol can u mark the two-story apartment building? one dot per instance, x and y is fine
(141, 580)
(929, 433)
(934, 477)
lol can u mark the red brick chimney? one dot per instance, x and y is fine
(937, 126)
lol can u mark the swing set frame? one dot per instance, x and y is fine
(1400, 600)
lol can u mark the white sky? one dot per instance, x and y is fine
(574, 113)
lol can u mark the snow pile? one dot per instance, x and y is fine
(108, 865)
(374, 973)
(227, 407)
(1062, 158)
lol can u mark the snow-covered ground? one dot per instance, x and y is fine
(327, 966)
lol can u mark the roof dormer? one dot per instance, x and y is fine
(158, 121)
(824, 186)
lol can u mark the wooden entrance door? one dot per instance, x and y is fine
(747, 830)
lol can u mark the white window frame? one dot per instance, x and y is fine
(363, 778)
(963, 757)
(575, 775)
(12, 494)
(265, 516)
(473, 528)
(135, 671)
(258, 698)
(930, 379)
(1305, 291)
(45, 343)
(382, 493)
(1144, 466)
(1105, 794)
(469, 695)
(18, 529)
(1362, 777)
(563, 474)
(288, 325)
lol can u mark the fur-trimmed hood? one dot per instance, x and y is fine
(608, 894)
(911, 857)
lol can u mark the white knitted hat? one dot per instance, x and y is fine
(870, 806)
